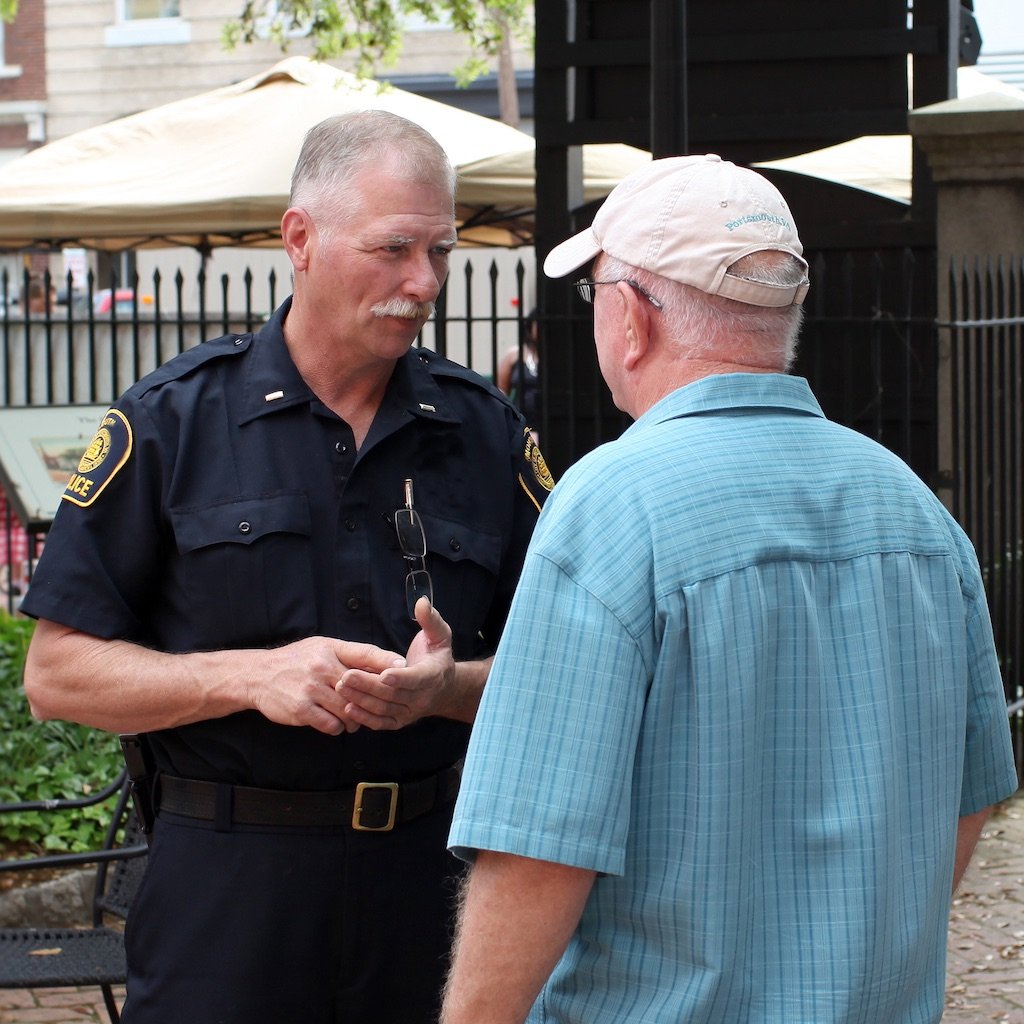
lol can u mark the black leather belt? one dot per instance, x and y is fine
(369, 807)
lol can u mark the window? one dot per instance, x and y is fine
(6, 70)
(134, 10)
(147, 23)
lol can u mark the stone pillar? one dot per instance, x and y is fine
(975, 151)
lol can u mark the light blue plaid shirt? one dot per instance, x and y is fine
(749, 677)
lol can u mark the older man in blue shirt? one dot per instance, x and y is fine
(746, 720)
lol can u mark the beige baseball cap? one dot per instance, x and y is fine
(690, 218)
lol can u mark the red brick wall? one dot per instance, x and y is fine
(24, 46)
(12, 136)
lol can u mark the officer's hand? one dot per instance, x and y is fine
(295, 684)
(424, 684)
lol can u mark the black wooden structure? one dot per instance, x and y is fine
(759, 81)
(752, 81)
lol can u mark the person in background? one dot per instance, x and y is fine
(40, 300)
(746, 719)
(285, 560)
(518, 374)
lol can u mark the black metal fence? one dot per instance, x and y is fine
(945, 395)
(869, 348)
(88, 346)
(984, 437)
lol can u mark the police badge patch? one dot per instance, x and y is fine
(107, 452)
(536, 460)
(541, 474)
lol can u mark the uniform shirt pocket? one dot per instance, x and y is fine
(245, 568)
(240, 521)
(464, 561)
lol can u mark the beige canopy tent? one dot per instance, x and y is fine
(883, 163)
(215, 169)
(877, 163)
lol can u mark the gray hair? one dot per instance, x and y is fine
(712, 327)
(338, 148)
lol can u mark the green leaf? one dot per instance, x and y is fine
(369, 32)
(47, 760)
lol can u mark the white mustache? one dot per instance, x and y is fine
(406, 309)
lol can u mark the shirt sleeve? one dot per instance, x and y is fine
(96, 571)
(549, 769)
(989, 772)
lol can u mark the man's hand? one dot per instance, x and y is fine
(120, 686)
(295, 684)
(426, 682)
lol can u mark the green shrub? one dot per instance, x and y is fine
(47, 760)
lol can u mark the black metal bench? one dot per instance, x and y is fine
(92, 955)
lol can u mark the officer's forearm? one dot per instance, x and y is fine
(116, 685)
(467, 689)
(122, 687)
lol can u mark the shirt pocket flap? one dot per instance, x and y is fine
(240, 521)
(462, 542)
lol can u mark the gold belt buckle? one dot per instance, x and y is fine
(357, 808)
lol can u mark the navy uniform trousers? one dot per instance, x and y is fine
(242, 953)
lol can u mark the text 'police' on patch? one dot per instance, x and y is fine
(107, 452)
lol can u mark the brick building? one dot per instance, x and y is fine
(23, 82)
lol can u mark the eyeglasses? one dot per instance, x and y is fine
(586, 287)
(413, 542)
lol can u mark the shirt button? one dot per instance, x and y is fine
(353, 604)
(350, 525)
(244, 527)
(340, 448)
(454, 545)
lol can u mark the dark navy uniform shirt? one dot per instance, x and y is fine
(222, 505)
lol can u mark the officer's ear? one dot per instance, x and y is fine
(297, 232)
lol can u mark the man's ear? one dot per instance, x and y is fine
(637, 325)
(297, 236)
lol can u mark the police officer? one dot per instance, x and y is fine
(286, 557)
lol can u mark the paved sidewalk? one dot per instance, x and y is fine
(985, 971)
(985, 978)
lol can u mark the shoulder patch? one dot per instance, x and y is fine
(533, 456)
(107, 452)
(541, 474)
